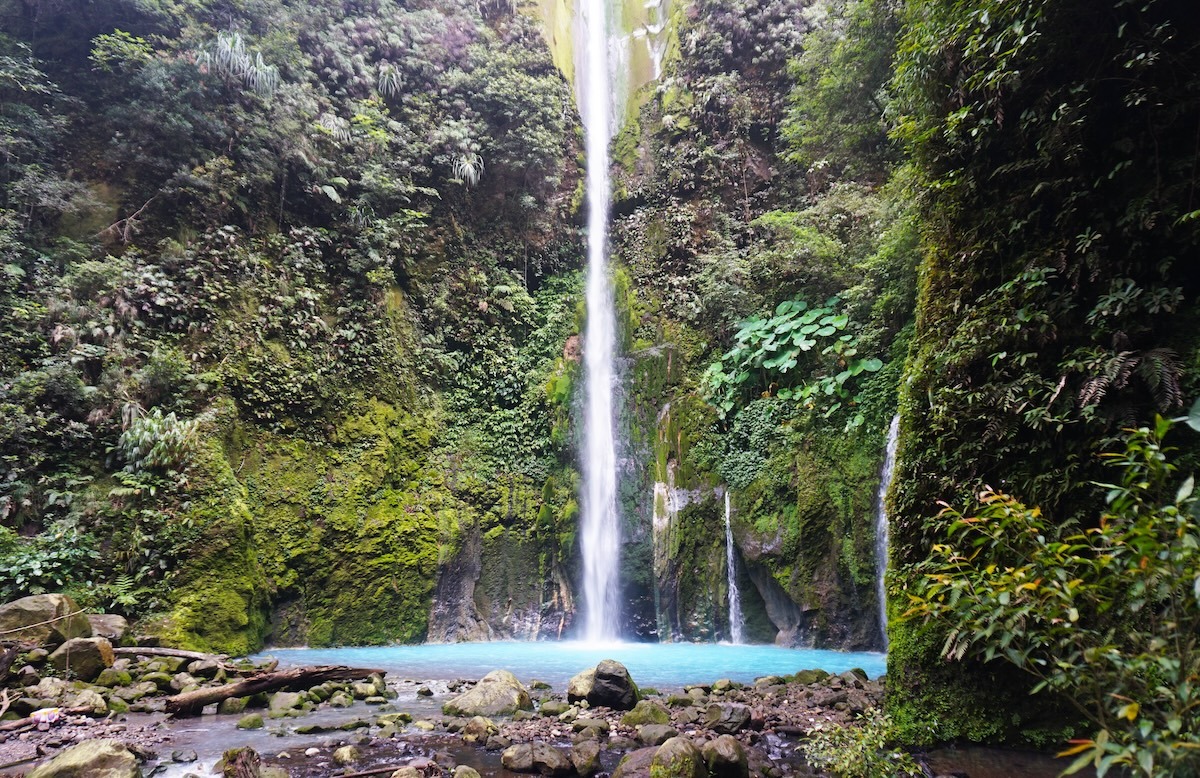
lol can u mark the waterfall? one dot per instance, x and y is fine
(601, 531)
(881, 522)
(736, 622)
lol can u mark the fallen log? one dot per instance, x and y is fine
(295, 678)
(176, 652)
(30, 721)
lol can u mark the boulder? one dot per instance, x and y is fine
(91, 759)
(464, 771)
(656, 734)
(82, 658)
(347, 755)
(607, 685)
(232, 706)
(678, 758)
(726, 758)
(536, 757)
(88, 698)
(807, 677)
(44, 619)
(727, 718)
(478, 729)
(250, 721)
(108, 625)
(585, 756)
(498, 693)
(647, 712)
(283, 703)
(636, 764)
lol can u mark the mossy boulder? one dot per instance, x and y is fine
(91, 759)
(498, 693)
(647, 712)
(43, 619)
(725, 757)
(678, 757)
(82, 658)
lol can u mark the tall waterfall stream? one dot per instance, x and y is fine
(601, 530)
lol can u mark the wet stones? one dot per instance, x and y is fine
(498, 693)
(608, 685)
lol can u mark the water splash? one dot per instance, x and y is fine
(737, 623)
(601, 532)
(881, 522)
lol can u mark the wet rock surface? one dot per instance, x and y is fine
(722, 730)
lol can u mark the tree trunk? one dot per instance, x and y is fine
(191, 703)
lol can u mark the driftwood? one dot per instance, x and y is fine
(177, 652)
(191, 703)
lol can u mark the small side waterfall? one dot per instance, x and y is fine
(601, 531)
(881, 522)
(737, 625)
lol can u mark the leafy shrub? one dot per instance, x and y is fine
(1107, 616)
(768, 351)
(46, 563)
(859, 751)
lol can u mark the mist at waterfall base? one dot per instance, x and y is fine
(660, 665)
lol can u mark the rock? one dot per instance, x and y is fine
(678, 758)
(608, 684)
(680, 701)
(185, 756)
(656, 734)
(206, 668)
(647, 712)
(184, 682)
(725, 685)
(806, 677)
(108, 625)
(91, 759)
(283, 703)
(497, 743)
(36, 656)
(726, 758)
(636, 764)
(585, 757)
(407, 772)
(232, 706)
(498, 693)
(376, 699)
(599, 726)
(43, 619)
(463, 771)
(478, 729)
(82, 658)
(250, 721)
(89, 699)
(727, 718)
(341, 700)
(424, 726)
(160, 679)
(347, 755)
(424, 691)
(554, 708)
(361, 690)
(111, 676)
(536, 757)
(395, 719)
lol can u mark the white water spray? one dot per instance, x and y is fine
(881, 522)
(601, 538)
(736, 621)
